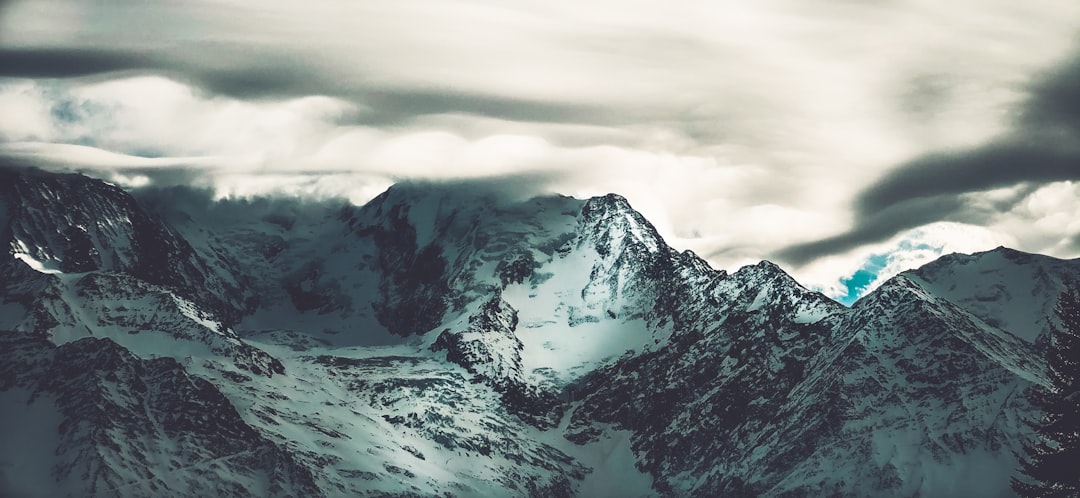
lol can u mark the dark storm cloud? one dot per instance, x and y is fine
(66, 62)
(984, 168)
(275, 80)
(929, 189)
(1056, 100)
(1043, 148)
(234, 72)
(878, 225)
(234, 78)
(1038, 151)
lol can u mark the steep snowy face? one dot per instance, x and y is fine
(85, 259)
(68, 223)
(442, 250)
(488, 347)
(615, 228)
(631, 264)
(1009, 289)
(72, 224)
(742, 345)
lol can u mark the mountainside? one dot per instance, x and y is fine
(458, 340)
(1006, 288)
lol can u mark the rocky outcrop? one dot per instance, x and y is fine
(73, 224)
(131, 427)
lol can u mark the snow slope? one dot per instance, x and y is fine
(455, 340)
(1009, 289)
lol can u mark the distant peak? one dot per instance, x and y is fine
(769, 266)
(993, 257)
(762, 269)
(612, 216)
(1007, 253)
(1012, 254)
(606, 203)
(894, 290)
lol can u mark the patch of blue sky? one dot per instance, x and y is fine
(861, 282)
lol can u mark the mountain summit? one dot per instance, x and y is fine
(449, 341)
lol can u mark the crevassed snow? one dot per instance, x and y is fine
(329, 410)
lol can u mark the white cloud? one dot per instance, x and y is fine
(1047, 220)
(68, 156)
(738, 128)
(357, 188)
(26, 113)
(905, 251)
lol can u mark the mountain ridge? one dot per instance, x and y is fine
(474, 343)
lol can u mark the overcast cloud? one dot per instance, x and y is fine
(820, 133)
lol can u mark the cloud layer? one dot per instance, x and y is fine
(813, 132)
(979, 185)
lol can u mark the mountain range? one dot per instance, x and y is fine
(461, 340)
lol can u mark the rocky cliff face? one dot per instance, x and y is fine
(460, 341)
(65, 224)
(95, 420)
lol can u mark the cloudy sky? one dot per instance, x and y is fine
(846, 140)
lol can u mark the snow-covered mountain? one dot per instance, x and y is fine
(458, 340)
(1006, 288)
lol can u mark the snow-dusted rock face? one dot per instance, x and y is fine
(915, 398)
(89, 418)
(727, 372)
(68, 224)
(85, 259)
(1009, 289)
(455, 340)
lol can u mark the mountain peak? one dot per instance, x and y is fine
(612, 220)
(763, 272)
(1010, 253)
(896, 289)
(609, 201)
(768, 267)
(1010, 289)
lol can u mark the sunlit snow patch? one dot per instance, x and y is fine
(36, 265)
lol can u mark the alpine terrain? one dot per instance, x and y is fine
(457, 340)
